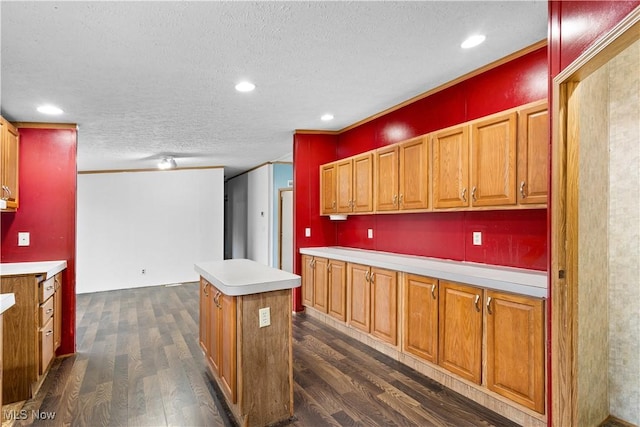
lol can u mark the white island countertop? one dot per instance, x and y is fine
(236, 277)
(516, 280)
(6, 301)
(48, 268)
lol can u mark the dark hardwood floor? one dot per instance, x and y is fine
(138, 363)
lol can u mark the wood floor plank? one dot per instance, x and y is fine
(138, 363)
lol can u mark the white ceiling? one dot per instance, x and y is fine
(145, 79)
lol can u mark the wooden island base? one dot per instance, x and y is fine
(252, 365)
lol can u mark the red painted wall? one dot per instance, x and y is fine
(510, 238)
(48, 211)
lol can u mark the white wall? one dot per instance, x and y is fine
(259, 211)
(160, 221)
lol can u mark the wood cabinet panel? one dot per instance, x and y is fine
(421, 317)
(45, 336)
(227, 342)
(344, 185)
(493, 161)
(307, 280)
(460, 330)
(515, 348)
(533, 154)
(362, 185)
(384, 305)
(57, 309)
(337, 290)
(414, 174)
(205, 315)
(451, 168)
(359, 313)
(386, 179)
(328, 200)
(320, 282)
(9, 157)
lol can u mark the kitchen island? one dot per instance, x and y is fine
(245, 333)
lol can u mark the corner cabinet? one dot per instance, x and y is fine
(324, 285)
(9, 152)
(32, 333)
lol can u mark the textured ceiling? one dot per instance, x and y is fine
(144, 79)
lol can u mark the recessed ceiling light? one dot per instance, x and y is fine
(326, 117)
(167, 163)
(473, 41)
(245, 86)
(50, 109)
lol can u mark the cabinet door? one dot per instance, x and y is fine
(363, 183)
(337, 306)
(359, 296)
(460, 338)
(57, 312)
(515, 348)
(320, 271)
(421, 317)
(205, 314)
(9, 177)
(307, 280)
(344, 170)
(386, 179)
(451, 168)
(533, 155)
(214, 329)
(227, 343)
(414, 174)
(328, 202)
(493, 161)
(384, 305)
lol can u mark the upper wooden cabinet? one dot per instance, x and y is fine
(451, 168)
(402, 176)
(533, 154)
(347, 185)
(9, 152)
(493, 161)
(328, 199)
(515, 348)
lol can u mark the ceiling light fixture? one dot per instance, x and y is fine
(167, 163)
(50, 109)
(473, 41)
(245, 86)
(326, 117)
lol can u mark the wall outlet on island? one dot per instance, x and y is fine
(143, 271)
(265, 316)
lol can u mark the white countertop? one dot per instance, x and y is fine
(243, 277)
(49, 268)
(6, 301)
(517, 280)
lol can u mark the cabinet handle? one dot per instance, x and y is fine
(48, 288)
(204, 290)
(476, 303)
(522, 193)
(367, 277)
(395, 199)
(49, 332)
(4, 191)
(489, 305)
(463, 195)
(401, 199)
(433, 291)
(328, 267)
(372, 278)
(313, 263)
(216, 299)
(333, 205)
(473, 193)
(50, 310)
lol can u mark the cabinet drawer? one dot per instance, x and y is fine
(46, 311)
(46, 346)
(47, 288)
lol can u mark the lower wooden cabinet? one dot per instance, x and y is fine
(515, 348)
(421, 317)
(460, 341)
(32, 333)
(337, 289)
(251, 365)
(373, 301)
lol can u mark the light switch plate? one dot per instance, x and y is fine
(370, 233)
(307, 232)
(23, 239)
(477, 238)
(265, 316)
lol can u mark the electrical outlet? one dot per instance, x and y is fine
(265, 316)
(370, 233)
(23, 239)
(477, 238)
(144, 271)
(307, 232)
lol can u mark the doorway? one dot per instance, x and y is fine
(286, 230)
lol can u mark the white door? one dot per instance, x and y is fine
(286, 230)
